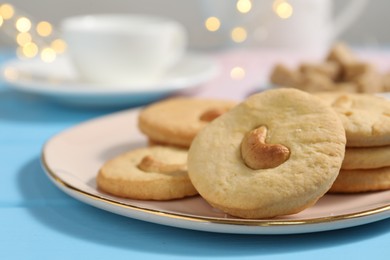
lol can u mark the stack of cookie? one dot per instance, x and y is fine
(159, 171)
(366, 119)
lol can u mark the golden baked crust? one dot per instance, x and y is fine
(353, 181)
(366, 157)
(176, 121)
(366, 118)
(310, 130)
(123, 177)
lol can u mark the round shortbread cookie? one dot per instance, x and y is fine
(353, 181)
(366, 157)
(152, 173)
(234, 170)
(176, 121)
(366, 117)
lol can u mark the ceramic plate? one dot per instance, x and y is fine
(59, 81)
(72, 159)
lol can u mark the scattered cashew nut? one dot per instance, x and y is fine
(149, 164)
(259, 155)
(212, 114)
(343, 102)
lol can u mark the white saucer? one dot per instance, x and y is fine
(59, 81)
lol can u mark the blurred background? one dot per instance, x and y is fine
(250, 17)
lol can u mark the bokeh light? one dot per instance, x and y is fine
(7, 11)
(58, 45)
(44, 28)
(23, 24)
(31, 38)
(23, 38)
(239, 34)
(10, 73)
(30, 50)
(212, 24)
(237, 73)
(244, 6)
(283, 9)
(48, 55)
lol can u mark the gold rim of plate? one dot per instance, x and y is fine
(194, 218)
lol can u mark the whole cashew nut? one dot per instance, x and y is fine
(149, 164)
(259, 155)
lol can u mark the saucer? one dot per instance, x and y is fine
(59, 81)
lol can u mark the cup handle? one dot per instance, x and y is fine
(347, 16)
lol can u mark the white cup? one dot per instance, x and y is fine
(123, 49)
(292, 25)
(312, 26)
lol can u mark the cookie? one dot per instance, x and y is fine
(353, 181)
(366, 118)
(366, 158)
(176, 121)
(152, 173)
(274, 154)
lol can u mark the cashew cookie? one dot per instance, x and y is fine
(274, 154)
(176, 121)
(366, 118)
(366, 157)
(365, 180)
(152, 173)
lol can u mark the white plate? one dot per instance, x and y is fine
(72, 159)
(59, 81)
